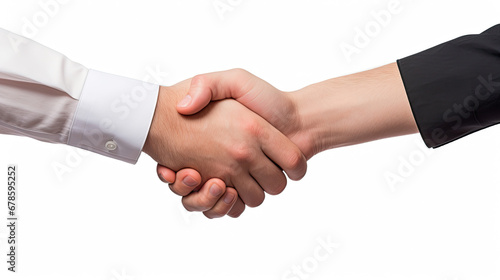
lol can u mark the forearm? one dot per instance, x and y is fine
(354, 109)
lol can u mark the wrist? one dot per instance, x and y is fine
(308, 125)
(161, 124)
(354, 109)
(323, 117)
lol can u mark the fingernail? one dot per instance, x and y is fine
(229, 198)
(185, 101)
(189, 181)
(215, 190)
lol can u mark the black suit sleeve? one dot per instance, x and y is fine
(454, 88)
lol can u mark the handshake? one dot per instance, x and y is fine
(222, 140)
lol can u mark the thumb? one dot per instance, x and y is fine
(211, 87)
(249, 90)
(197, 98)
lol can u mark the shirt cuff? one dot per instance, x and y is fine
(113, 116)
(454, 88)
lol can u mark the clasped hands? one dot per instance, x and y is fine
(230, 135)
(227, 153)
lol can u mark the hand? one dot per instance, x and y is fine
(279, 108)
(343, 111)
(203, 199)
(256, 94)
(225, 141)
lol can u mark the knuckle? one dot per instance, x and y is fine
(200, 78)
(240, 72)
(295, 160)
(253, 127)
(242, 153)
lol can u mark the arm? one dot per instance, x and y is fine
(46, 96)
(348, 110)
(452, 90)
(343, 111)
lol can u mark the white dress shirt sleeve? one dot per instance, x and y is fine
(46, 96)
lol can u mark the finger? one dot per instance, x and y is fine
(249, 190)
(254, 93)
(165, 174)
(284, 153)
(186, 181)
(206, 198)
(216, 86)
(237, 209)
(223, 205)
(269, 176)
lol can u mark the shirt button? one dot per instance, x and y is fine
(111, 145)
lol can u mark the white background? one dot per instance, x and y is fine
(110, 220)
